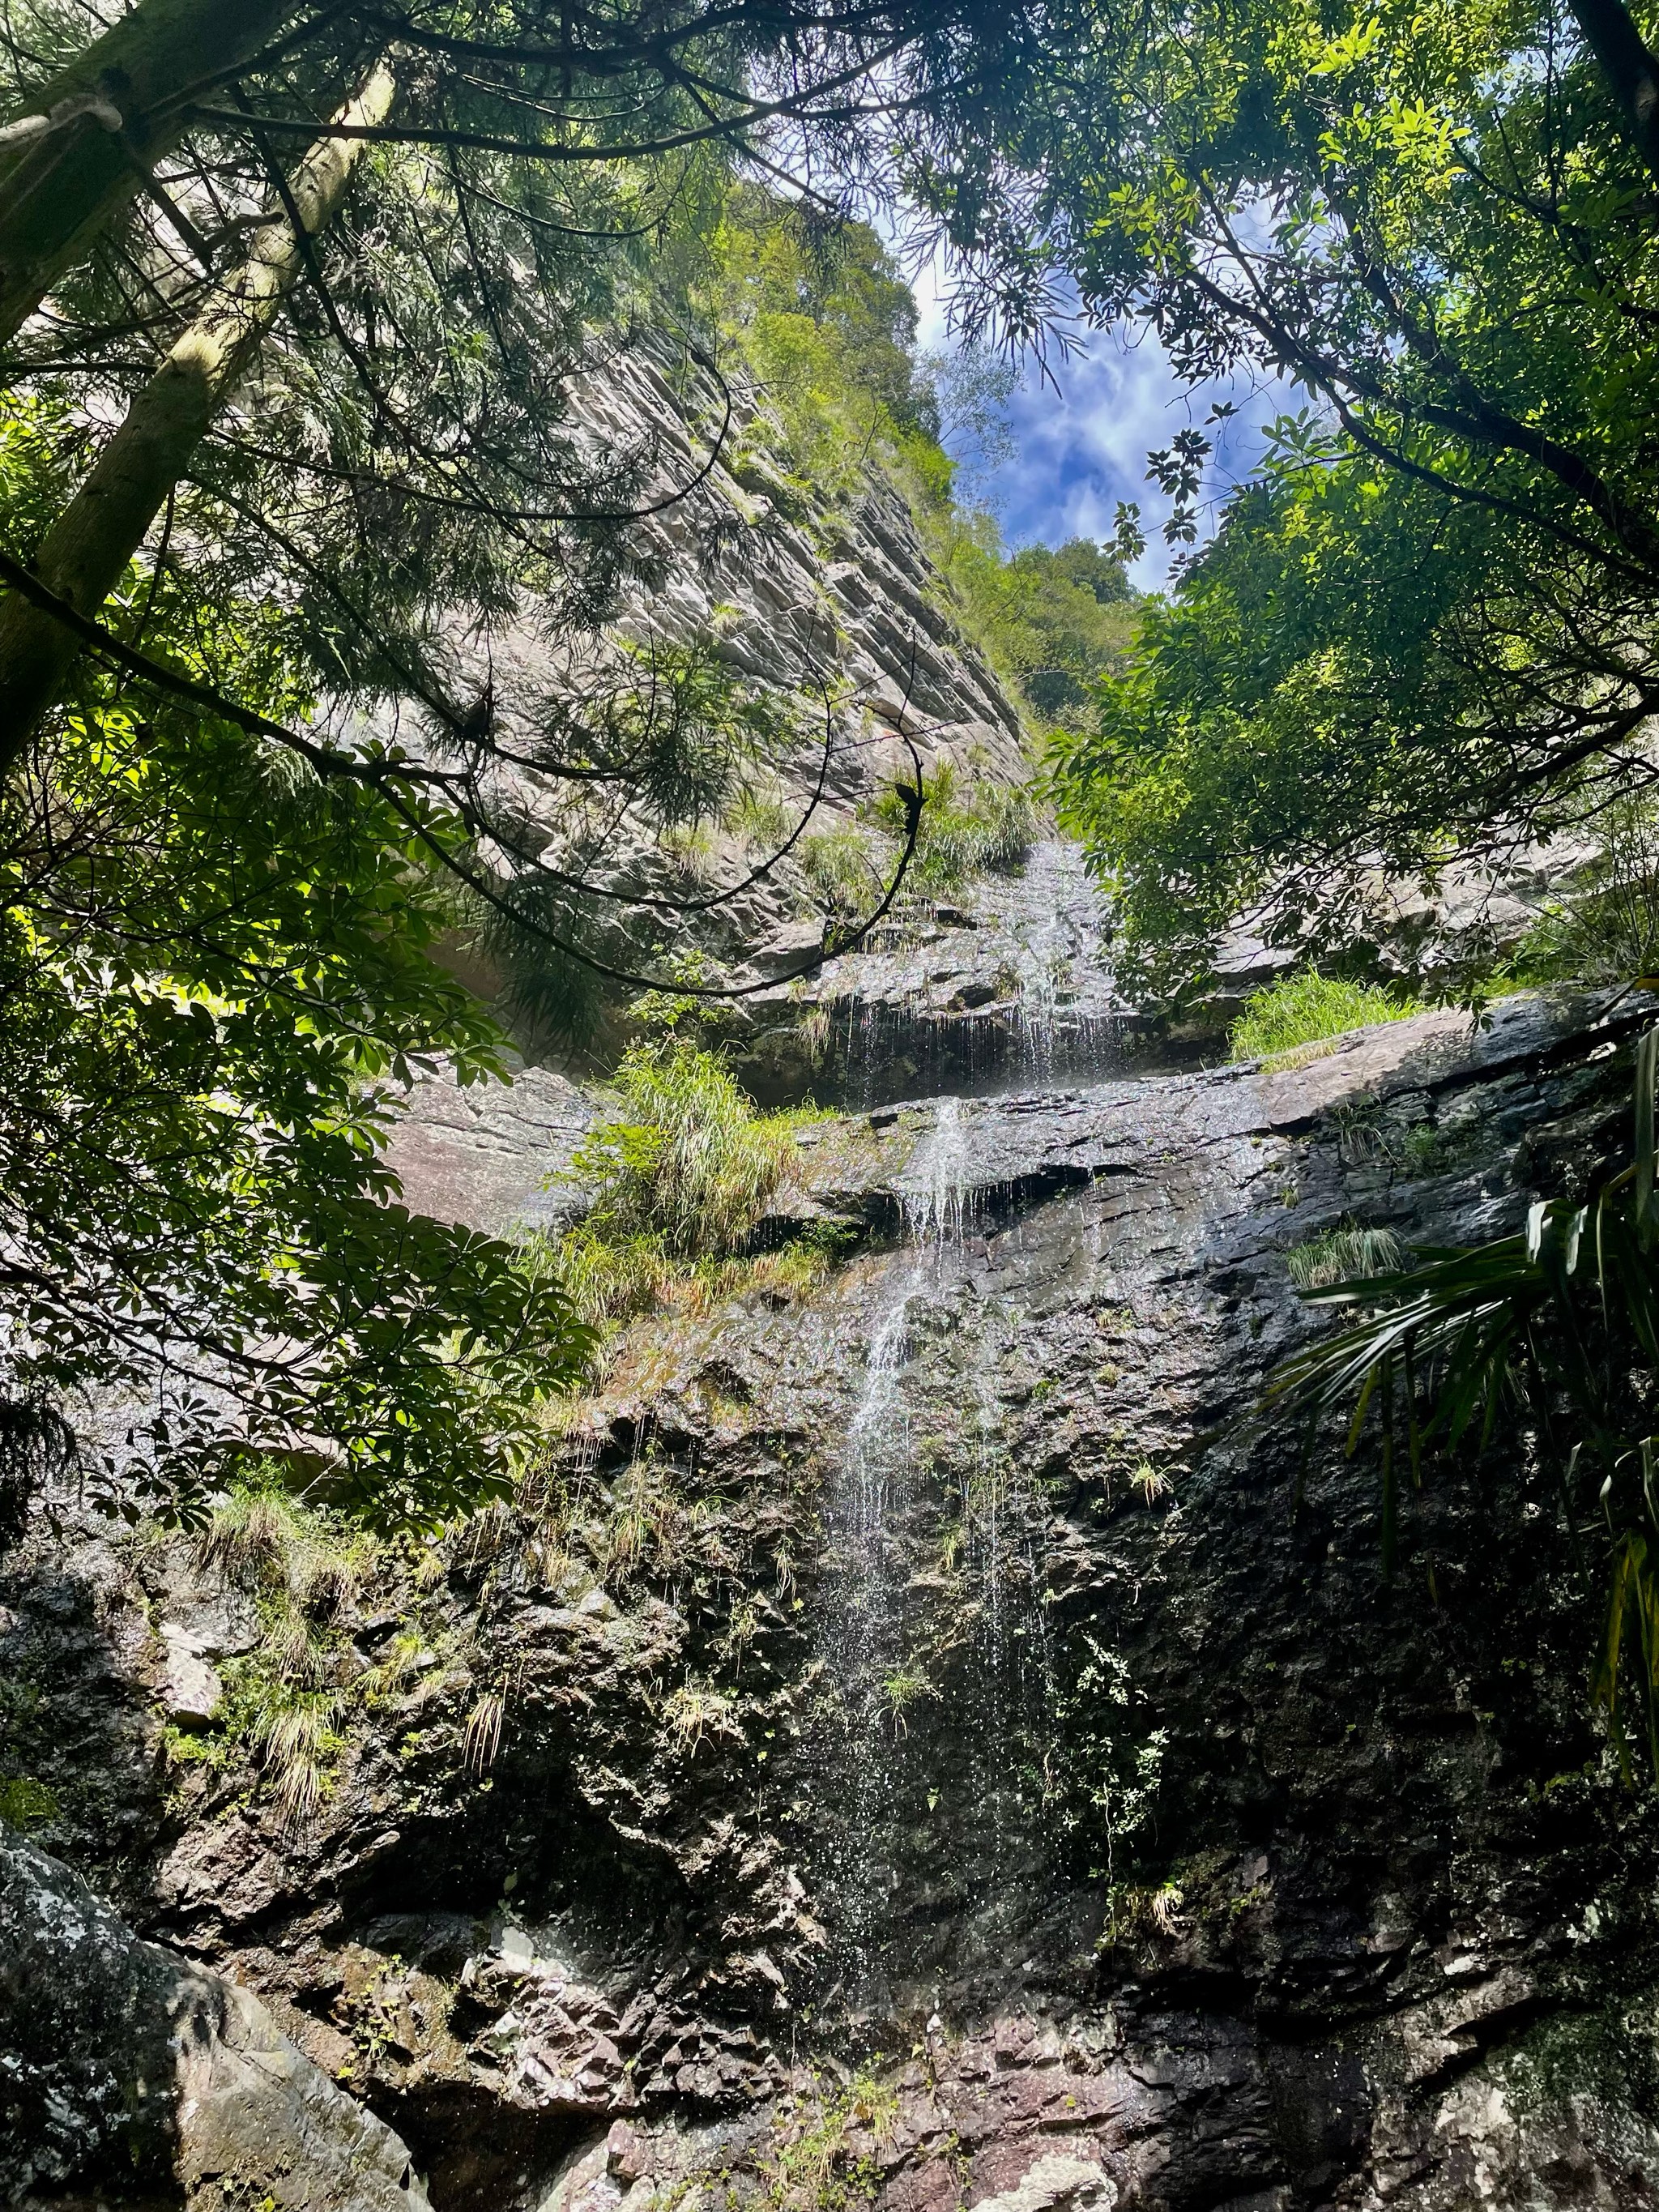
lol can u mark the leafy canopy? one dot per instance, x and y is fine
(1427, 620)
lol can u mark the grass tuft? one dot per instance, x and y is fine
(1343, 1256)
(1305, 1009)
(969, 827)
(679, 1189)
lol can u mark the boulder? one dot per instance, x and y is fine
(128, 2074)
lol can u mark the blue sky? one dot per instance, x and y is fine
(1080, 449)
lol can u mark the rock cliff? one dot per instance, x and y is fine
(912, 1745)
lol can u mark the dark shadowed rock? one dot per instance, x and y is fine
(128, 2075)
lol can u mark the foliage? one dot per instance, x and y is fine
(821, 2160)
(1304, 1008)
(215, 988)
(1053, 622)
(1606, 929)
(1110, 1765)
(827, 325)
(679, 1188)
(695, 1165)
(1343, 1254)
(1425, 619)
(971, 826)
(611, 1279)
(1563, 1318)
(221, 910)
(842, 865)
(286, 1701)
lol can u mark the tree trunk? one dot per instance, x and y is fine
(1630, 71)
(60, 187)
(85, 552)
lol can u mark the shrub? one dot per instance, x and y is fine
(1306, 1009)
(695, 1167)
(967, 827)
(679, 1190)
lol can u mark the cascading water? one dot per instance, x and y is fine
(1060, 935)
(863, 1635)
(930, 1629)
(1011, 988)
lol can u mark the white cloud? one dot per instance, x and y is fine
(1081, 440)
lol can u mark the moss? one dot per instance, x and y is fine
(1572, 2055)
(25, 1802)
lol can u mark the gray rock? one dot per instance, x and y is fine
(193, 1691)
(123, 2068)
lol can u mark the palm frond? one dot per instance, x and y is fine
(1564, 1317)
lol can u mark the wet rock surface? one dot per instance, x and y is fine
(910, 1745)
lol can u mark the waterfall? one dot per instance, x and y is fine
(862, 1637)
(928, 1630)
(1066, 1026)
(1011, 989)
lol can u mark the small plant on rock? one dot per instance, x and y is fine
(1345, 1253)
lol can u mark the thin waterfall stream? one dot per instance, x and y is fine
(930, 1630)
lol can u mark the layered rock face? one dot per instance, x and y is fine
(913, 1745)
(826, 606)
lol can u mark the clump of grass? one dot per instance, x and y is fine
(1306, 1010)
(485, 1723)
(1150, 1481)
(298, 1735)
(969, 827)
(1163, 1908)
(904, 1687)
(845, 867)
(695, 1165)
(697, 1709)
(1343, 1256)
(679, 1190)
(253, 1537)
(761, 816)
(304, 1569)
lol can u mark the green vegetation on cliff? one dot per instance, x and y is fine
(824, 321)
(678, 1189)
(1304, 1011)
(258, 776)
